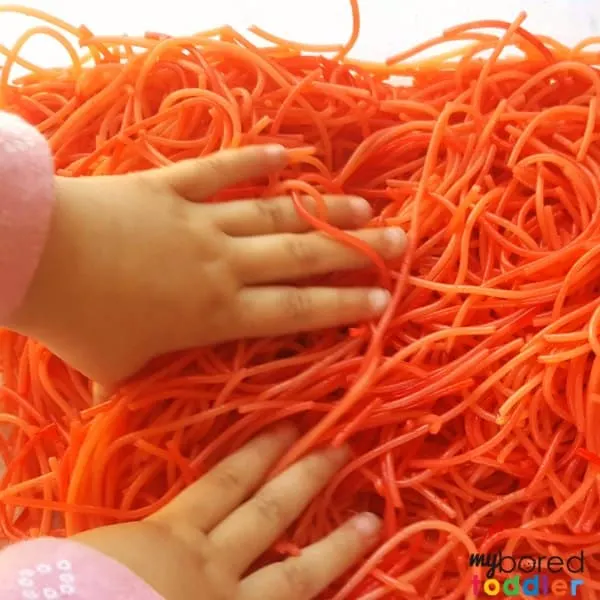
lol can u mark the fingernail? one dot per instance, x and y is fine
(274, 153)
(395, 239)
(378, 300)
(367, 524)
(362, 209)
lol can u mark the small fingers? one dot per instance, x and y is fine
(251, 529)
(274, 311)
(207, 502)
(197, 179)
(319, 565)
(289, 257)
(279, 215)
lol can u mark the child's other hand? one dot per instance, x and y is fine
(202, 544)
(136, 266)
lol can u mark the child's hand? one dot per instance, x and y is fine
(136, 266)
(204, 541)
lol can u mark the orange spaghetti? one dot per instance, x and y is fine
(471, 406)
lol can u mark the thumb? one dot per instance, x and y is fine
(198, 179)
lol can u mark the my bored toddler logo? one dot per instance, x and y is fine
(527, 575)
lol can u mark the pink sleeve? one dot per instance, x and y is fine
(26, 202)
(53, 569)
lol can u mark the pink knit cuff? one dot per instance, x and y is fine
(26, 202)
(53, 569)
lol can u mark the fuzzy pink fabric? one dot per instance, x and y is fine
(26, 203)
(52, 569)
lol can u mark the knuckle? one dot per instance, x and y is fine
(213, 168)
(302, 252)
(190, 540)
(148, 181)
(270, 510)
(296, 580)
(315, 468)
(272, 213)
(298, 305)
(229, 481)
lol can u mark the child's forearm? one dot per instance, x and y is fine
(48, 569)
(26, 203)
